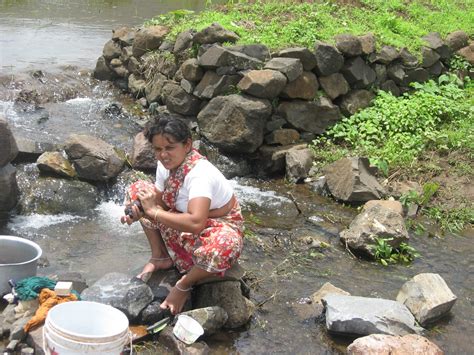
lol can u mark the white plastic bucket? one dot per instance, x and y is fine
(187, 329)
(83, 327)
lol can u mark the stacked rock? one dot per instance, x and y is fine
(8, 184)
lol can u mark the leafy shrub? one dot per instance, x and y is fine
(397, 130)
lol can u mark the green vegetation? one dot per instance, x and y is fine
(385, 254)
(397, 130)
(279, 24)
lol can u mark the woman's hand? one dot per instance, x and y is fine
(148, 197)
(135, 215)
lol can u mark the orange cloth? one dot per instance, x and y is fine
(47, 300)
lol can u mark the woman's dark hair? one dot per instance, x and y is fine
(177, 128)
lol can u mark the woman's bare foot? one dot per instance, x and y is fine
(176, 299)
(153, 265)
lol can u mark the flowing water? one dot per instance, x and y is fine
(63, 39)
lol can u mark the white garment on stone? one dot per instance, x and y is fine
(204, 180)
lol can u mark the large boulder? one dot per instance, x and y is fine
(303, 87)
(147, 39)
(212, 85)
(328, 59)
(55, 196)
(370, 224)
(8, 188)
(457, 40)
(298, 164)
(191, 70)
(427, 296)
(306, 57)
(235, 123)
(290, 67)
(142, 156)
(353, 315)
(119, 291)
(179, 101)
(215, 33)
(381, 344)
(228, 296)
(93, 158)
(56, 163)
(467, 53)
(217, 56)
(348, 44)
(310, 116)
(334, 85)
(355, 101)
(8, 147)
(358, 73)
(212, 319)
(434, 41)
(352, 180)
(266, 84)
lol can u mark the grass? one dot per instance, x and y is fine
(280, 24)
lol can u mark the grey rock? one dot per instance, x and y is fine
(93, 158)
(54, 196)
(119, 291)
(184, 41)
(334, 85)
(467, 53)
(306, 57)
(16, 330)
(367, 42)
(9, 193)
(303, 87)
(358, 74)
(395, 345)
(434, 41)
(310, 116)
(328, 59)
(147, 39)
(419, 75)
(134, 66)
(35, 340)
(408, 59)
(227, 295)
(217, 56)
(212, 85)
(176, 346)
(282, 136)
(179, 101)
(427, 296)
(380, 73)
(142, 156)
(136, 86)
(126, 54)
(191, 70)
(397, 73)
(154, 88)
(8, 147)
(457, 40)
(290, 67)
(386, 55)
(353, 315)
(390, 86)
(235, 123)
(436, 69)
(56, 163)
(212, 319)
(258, 51)
(354, 101)
(374, 222)
(348, 44)
(187, 86)
(215, 33)
(298, 164)
(111, 50)
(265, 84)
(351, 180)
(124, 36)
(430, 57)
(102, 70)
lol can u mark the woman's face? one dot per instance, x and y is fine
(169, 152)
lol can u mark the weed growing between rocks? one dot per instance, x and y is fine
(386, 254)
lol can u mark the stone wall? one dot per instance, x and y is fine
(8, 184)
(250, 102)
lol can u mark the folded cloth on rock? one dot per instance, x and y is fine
(47, 299)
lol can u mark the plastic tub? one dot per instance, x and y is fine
(18, 260)
(187, 329)
(84, 327)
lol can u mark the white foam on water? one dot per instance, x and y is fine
(38, 221)
(254, 195)
(109, 214)
(6, 110)
(79, 101)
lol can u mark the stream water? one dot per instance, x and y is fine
(63, 39)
